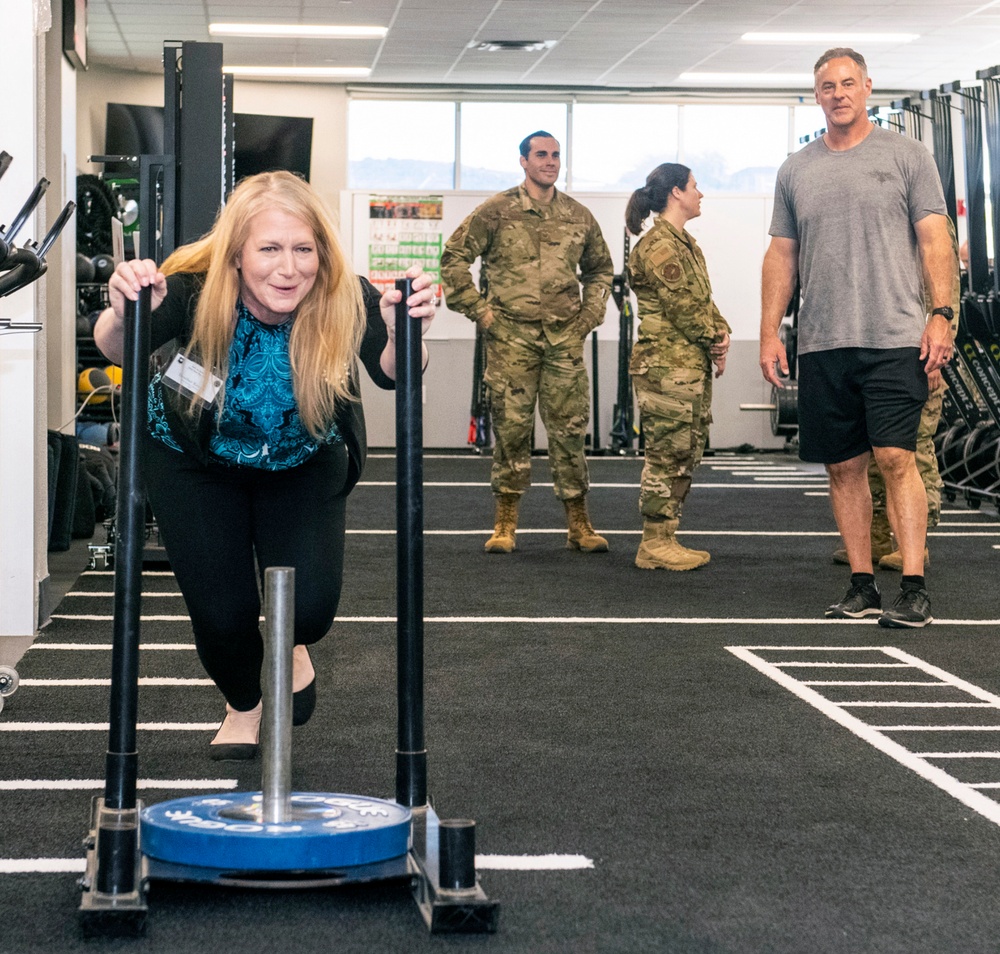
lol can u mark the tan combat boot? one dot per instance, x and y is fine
(582, 535)
(894, 559)
(881, 540)
(505, 524)
(660, 550)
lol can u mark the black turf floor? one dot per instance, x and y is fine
(578, 706)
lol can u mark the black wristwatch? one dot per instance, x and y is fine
(945, 310)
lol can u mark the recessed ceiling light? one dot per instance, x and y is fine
(523, 46)
(301, 72)
(299, 30)
(829, 37)
(749, 79)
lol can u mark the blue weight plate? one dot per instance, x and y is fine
(324, 830)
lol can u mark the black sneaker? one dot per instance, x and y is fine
(862, 599)
(911, 608)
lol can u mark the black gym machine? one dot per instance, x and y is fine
(22, 265)
(968, 440)
(623, 429)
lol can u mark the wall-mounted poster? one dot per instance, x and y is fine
(404, 230)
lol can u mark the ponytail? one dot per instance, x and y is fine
(654, 195)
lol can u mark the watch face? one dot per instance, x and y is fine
(945, 311)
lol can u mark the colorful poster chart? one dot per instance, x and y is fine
(404, 230)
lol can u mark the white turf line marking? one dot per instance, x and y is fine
(142, 681)
(104, 726)
(965, 793)
(483, 862)
(112, 573)
(106, 647)
(145, 595)
(550, 531)
(545, 621)
(533, 862)
(485, 485)
(917, 705)
(870, 682)
(87, 784)
(958, 755)
(637, 532)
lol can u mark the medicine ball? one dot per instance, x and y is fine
(84, 269)
(104, 267)
(90, 380)
(114, 374)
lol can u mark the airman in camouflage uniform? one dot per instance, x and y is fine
(537, 247)
(681, 333)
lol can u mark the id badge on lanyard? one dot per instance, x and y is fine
(187, 377)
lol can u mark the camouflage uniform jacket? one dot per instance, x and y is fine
(531, 254)
(678, 321)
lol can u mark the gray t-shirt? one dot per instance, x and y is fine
(852, 213)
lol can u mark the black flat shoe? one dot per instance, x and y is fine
(233, 752)
(241, 726)
(303, 703)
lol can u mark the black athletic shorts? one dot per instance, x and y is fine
(853, 399)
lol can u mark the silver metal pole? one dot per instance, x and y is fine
(276, 682)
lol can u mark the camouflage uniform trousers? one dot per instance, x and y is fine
(522, 367)
(926, 462)
(675, 408)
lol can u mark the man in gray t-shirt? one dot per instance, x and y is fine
(860, 221)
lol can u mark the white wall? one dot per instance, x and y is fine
(22, 407)
(59, 336)
(732, 232)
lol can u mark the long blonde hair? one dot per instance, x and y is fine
(329, 323)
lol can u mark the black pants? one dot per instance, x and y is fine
(222, 525)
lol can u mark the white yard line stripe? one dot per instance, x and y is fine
(106, 647)
(88, 784)
(483, 862)
(917, 705)
(792, 664)
(464, 454)
(580, 620)
(104, 726)
(111, 594)
(700, 485)
(97, 618)
(978, 802)
(143, 681)
(43, 865)
(533, 862)
(959, 523)
(144, 573)
(551, 531)
(939, 728)
(870, 682)
(943, 675)
(957, 755)
(541, 531)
